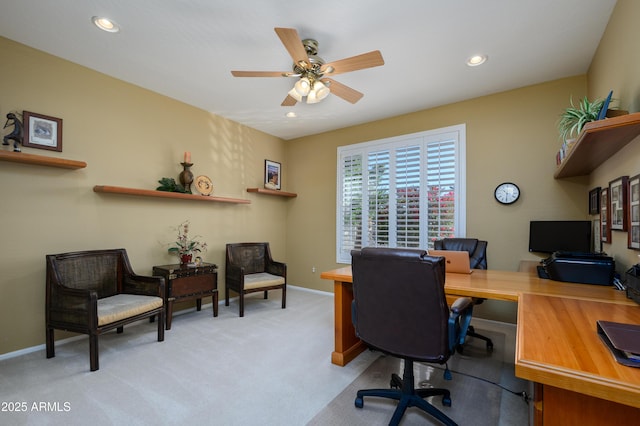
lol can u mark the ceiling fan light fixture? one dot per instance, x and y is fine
(312, 98)
(302, 86)
(295, 95)
(320, 90)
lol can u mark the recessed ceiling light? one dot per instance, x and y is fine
(105, 24)
(291, 114)
(476, 60)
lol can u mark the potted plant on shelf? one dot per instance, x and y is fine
(575, 117)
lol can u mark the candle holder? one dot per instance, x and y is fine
(186, 177)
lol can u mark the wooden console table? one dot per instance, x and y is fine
(189, 283)
(577, 379)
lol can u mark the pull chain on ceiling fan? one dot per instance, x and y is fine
(311, 70)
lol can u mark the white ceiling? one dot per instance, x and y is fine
(186, 49)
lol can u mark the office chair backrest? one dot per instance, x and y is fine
(400, 304)
(477, 249)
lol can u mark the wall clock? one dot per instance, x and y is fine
(507, 193)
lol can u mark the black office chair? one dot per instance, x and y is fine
(478, 260)
(400, 308)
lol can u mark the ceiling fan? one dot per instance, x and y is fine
(313, 72)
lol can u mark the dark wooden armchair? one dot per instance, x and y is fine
(92, 292)
(250, 268)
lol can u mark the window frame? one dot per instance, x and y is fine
(457, 133)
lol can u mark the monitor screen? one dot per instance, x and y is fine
(548, 236)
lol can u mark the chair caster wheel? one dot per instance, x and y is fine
(359, 403)
(446, 401)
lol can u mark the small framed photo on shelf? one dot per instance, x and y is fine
(634, 213)
(42, 131)
(618, 204)
(272, 174)
(594, 201)
(605, 229)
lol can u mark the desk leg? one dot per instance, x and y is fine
(347, 345)
(214, 302)
(198, 304)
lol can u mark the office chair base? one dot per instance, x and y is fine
(472, 332)
(402, 390)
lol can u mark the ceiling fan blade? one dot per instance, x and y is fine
(260, 73)
(354, 63)
(293, 44)
(345, 92)
(289, 101)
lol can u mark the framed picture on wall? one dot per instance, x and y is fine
(597, 240)
(618, 204)
(605, 229)
(272, 174)
(42, 131)
(634, 213)
(594, 201)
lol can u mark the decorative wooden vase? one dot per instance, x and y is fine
(186, 177)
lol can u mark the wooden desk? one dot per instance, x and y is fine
(574, 371)
(558, 348)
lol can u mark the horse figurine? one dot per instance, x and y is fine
(17, 135)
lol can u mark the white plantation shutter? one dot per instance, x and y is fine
(407, 200)
(350, 205)
(401, 192)
(441, 184)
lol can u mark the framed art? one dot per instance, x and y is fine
(634, 213)
(594, 201)
(272, 174)
(618, 204)
(597, 240)
(605, 229)
(42, 131)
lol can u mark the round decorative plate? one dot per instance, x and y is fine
(204, 185)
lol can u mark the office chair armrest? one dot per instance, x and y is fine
(459, 319)
(460, 305)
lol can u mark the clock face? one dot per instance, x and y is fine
(507, 193)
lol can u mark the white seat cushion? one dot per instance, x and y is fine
(121, 306)
(262, 279)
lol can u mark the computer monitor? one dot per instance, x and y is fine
(549, 236)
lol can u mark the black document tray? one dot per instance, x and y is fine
(628, 332)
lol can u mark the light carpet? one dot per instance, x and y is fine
(271, 367)
(476, 391)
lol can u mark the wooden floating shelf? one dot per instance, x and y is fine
(272, 192)
(163, 194)
(21, 157)
(597, 142)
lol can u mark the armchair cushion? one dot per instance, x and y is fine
(122, 306)
(261, 279)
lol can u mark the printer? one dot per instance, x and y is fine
(585, 268)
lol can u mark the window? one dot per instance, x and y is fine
(405, 191)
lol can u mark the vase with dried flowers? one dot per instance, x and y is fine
(185, 246)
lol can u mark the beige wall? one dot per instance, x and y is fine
(511, 136)
(128, 137)
(616, 66)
